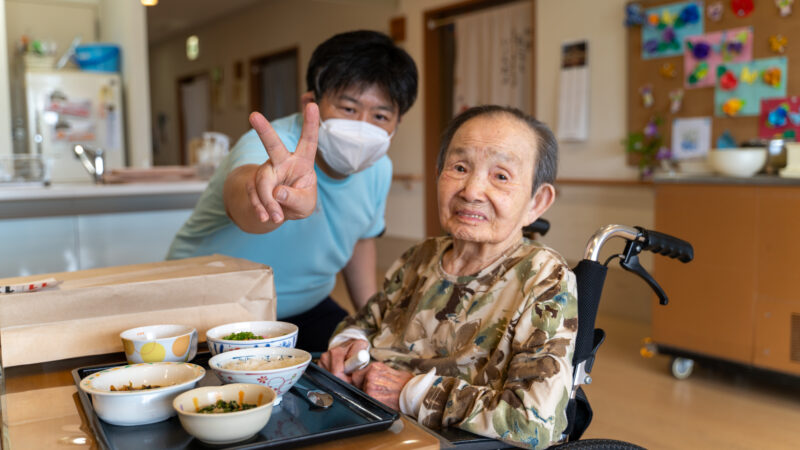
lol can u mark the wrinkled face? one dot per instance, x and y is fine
(371, 105)
(484, 189)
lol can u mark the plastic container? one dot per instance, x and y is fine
(98, 57)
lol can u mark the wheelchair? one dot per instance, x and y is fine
(590, 275)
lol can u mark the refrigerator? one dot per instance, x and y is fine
(65, 108)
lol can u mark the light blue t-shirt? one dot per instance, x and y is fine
(305, 254)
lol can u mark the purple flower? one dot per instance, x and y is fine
(651, 129)
(668, 35)
(663, 153)
(690, 14)
(701, 50)
(735, 47)
(651, 46)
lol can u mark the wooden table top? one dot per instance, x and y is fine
(41, 409)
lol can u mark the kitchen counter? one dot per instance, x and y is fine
(757, 180)
(66, 227)
(84, 198)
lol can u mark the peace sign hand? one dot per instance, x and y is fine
(285, 186)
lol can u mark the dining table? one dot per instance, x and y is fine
(41, 409)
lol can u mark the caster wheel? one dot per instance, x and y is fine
(682, 368)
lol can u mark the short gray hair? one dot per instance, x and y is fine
(546, 144)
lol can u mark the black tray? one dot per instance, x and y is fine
(293, 423)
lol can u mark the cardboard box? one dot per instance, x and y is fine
(86, 312)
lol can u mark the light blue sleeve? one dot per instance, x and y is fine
(384, 183)
(250, 150)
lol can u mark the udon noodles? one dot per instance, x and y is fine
(262, 364)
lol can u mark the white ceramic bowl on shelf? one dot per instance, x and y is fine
(737, 162)
(281, 379)
(275, 333)
(144, 406)
(225, 428)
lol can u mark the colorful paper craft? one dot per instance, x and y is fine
(667, 70)
(646, 92)
(691, 137)
(726, 140)
(780, 117)
(667, 26)
(742, 8)
(777, 43)
(675, 100)
(715, 10)
(704, 53)
(784, 6)
(734, 96)
(634, 15)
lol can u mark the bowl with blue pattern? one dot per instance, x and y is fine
(276, 367)
(247, 335)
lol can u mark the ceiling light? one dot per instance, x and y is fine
(192, 47)
(149, 2)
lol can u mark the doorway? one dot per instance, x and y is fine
(439, 77)
(274, 84)
(194, 98)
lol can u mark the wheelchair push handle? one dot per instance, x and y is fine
(666, 245)
(639, 239)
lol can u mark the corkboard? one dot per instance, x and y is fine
(765, 20)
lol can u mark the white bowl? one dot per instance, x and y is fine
(225, 428)
(143, 406)
(738, 162)
(280, 334)
(156, 343)
(280, 380)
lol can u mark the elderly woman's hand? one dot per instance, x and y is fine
(333, 360)
(382, 383)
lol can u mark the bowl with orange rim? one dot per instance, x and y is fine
(225, 414)
(158, 343)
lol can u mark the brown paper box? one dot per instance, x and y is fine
(85, 314)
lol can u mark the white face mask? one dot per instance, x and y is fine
(350, 146)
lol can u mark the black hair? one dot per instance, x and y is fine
(361, 59)
(546, 145)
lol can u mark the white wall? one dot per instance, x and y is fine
(600, 157)
(125, 23)
(6, 146)
(600, 23)
(268, 27)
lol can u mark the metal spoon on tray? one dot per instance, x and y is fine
(316, 397)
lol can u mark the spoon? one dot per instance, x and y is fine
(316, 397)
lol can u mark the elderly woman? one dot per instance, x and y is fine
(476, 329)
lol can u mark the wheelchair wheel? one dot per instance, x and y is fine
(682, 367)
(596, 444)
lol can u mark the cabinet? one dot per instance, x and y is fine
(739, 299)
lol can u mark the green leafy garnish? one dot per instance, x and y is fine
(242, 336)
(225, 407)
